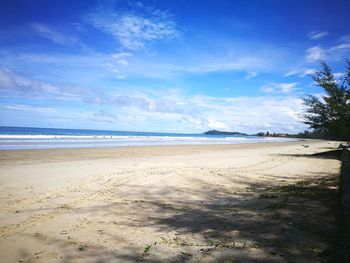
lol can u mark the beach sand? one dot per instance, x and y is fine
(208, 203)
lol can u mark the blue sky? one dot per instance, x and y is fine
(167, 66)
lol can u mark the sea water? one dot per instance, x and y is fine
(15, 138)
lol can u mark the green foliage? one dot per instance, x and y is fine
(330, 116)
(147, 249)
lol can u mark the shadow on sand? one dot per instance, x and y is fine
(262, 223)
(333, 154)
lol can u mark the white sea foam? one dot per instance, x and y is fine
(30, 136)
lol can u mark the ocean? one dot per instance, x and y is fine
(20, 138)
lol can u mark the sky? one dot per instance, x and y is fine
(166, 65)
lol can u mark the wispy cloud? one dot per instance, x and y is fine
(307, 72)
(300, 72)
(10, 81)
(251, 74)
(135, 31)
(18, 85)
(315, 53)
(121, 57)
(278, 87)
(26, 107)
(340, 51)
(162, 65)
(315, 35)
(118, 62)
(242, 62)
(336, 52)
(291, 72)
(338, 74)
(53, 35)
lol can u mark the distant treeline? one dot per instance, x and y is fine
(306, 134)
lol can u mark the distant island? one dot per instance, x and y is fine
(216, 132)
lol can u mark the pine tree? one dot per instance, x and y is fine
(330, 115)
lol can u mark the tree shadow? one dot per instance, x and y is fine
(283, 222)
(214, 223)
(287, 223)
(333, 154)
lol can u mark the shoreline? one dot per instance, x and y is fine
(23, 142)
(104, 152)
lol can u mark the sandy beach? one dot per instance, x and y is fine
(208, 203)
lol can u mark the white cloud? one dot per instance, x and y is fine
(7, 81)
(197, 122)
(118, 63)
(315, 53)
(94, 66)
(228, 63)
(315, 35)
(300, 72)
(333, 53)
(186, 114)
(278, 87)
(245, 114)
(291, 73)
(253, 114)
(139, 101)
(203, 123)
(338, 74)
(135, 31)
(217, 125)
(161, 111)
(340, 46)
(25, 107)
(121, 55)
(251, 74)
(10, 81)
(307, 72)
(18, 85)
(56, 37)
(342, 50)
